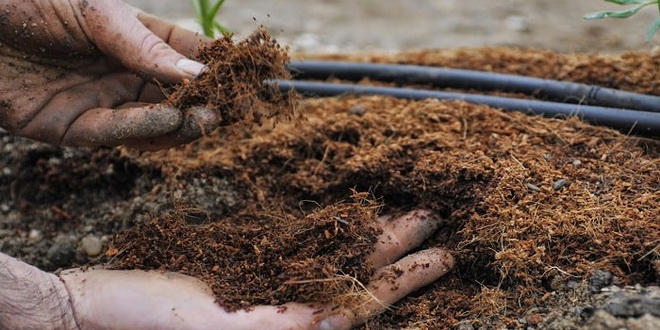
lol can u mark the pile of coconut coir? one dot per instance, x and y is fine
(234, 85)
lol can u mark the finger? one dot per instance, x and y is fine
(288, 316)
(393, 282)
(114, 28)
(402, 234)
(199, 121)
(52, 121)
(110, 127)
(182, 40)
(152, 93)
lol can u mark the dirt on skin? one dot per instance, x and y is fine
(529, 251)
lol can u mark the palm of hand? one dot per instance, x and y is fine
(106, 299)
(66, 72)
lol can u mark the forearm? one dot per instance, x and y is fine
(31, 298)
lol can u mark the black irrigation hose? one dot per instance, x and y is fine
(628, 121)
(566, 92)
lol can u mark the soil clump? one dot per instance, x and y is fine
(233, 83)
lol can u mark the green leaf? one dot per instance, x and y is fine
(618, 14)
(653, 29)
(206, 11)
(216, 8)
(198, 10)
(221, 28)
(203, 9)
(626, 2)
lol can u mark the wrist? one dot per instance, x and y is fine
(66, 319)
(32, 299)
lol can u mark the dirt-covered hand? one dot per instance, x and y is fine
(110, 299)
(87, 72)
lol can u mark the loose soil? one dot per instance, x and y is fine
(541, 214)
(233, 81)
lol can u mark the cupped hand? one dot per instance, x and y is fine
(110, 299)
(87, 73)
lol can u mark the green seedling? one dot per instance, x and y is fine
(206, 11)
(638, 5)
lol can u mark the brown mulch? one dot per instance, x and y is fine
(232, 83)
(527, 200)
(262, 258)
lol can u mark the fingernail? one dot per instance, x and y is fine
(190, 67)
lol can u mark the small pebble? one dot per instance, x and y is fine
(34, 235)
(576, 162)
(92, 245)
(533, 187)
(599, 280)
(110, 170)
(465, 325)
(358, 110)
(535, 319)
(645, 322)
(584, 312)
(53, 161)
(558, 184)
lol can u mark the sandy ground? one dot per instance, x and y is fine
(389, 25)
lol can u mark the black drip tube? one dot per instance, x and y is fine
(626, 111)
(628, 121)
(565, 92)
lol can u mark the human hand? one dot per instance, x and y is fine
(111, 299)
(86, 73)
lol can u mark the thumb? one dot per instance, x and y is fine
(115, 29)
